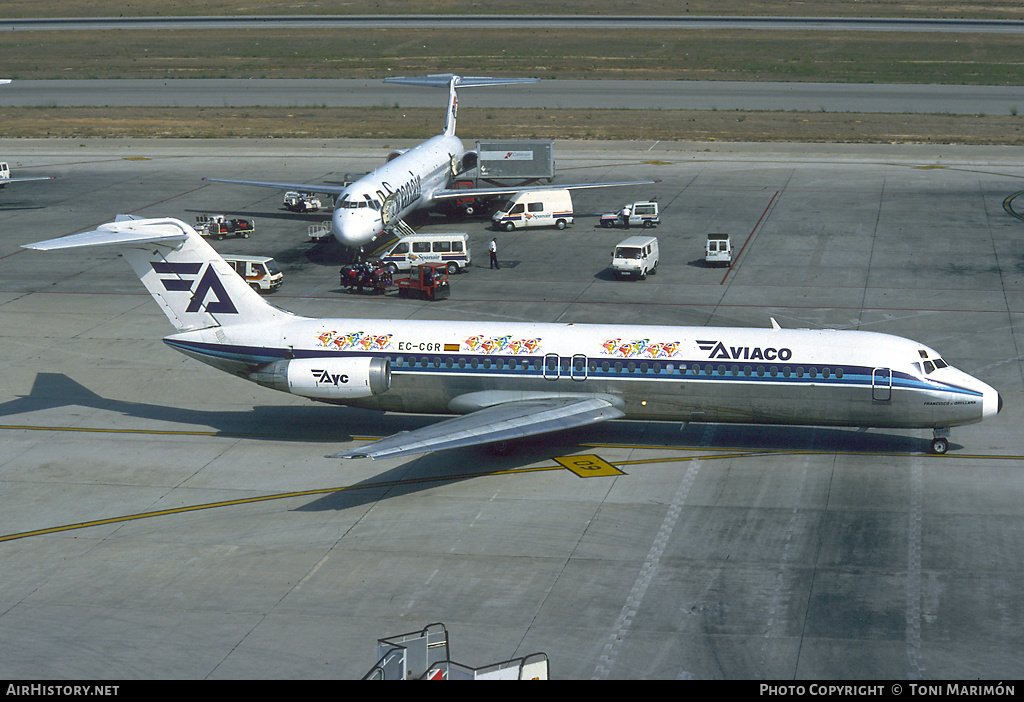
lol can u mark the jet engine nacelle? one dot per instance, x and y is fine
(470, 159)
(395, 154)
(327, 378)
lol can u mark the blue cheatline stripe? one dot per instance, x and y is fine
(853, 376)
(176, 268)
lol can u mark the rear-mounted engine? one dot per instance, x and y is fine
(327, 378)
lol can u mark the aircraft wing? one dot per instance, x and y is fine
(500, 422)
(450, 194)
(7, 181)
(301, 187)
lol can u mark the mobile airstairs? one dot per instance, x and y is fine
(399, 228)
(423, 655)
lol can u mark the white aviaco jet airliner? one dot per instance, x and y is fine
(507, 380)
(415, 179)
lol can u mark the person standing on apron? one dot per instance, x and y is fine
(493, 248)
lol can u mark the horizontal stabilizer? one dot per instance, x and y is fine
(502, 422)
(444, 80)
(126, 230)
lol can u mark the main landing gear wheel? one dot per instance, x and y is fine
(940, 445)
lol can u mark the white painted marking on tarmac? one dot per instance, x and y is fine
(310, 574)
(636, 595)
(915, 670)
(797, 524)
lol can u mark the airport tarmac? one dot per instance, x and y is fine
(160, 519)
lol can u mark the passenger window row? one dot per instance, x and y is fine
(427, 247)
(616, 367)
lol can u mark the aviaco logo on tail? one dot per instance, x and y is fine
(323, 377)
(184, 275)
(717, 349)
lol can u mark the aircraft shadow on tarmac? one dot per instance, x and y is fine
(312, 423)
(19, 207)
(325, 427)
(427, 471)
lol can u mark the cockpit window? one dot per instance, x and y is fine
(929, 367)
(359, 201)
(939, 363)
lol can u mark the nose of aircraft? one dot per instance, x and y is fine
(356, 227)
(991, 403)
(991, 400)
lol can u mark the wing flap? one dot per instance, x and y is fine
(501, 422)
(26, 179)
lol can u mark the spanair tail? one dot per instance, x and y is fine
(193, 285)
(453, 82)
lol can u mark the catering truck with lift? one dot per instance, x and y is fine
(502, 163)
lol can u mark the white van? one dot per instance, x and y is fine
(635, 257)
(535, 208)
(5, 171)
(718, 250)
(414, 249)
(260, 272)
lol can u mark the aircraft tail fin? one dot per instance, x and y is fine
(452, 81)
(193, 285)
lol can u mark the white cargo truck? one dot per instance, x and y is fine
(535, 208)
(718, 250)
(636, 257)
(260, 272)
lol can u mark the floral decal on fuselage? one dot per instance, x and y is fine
(642, 348)
(354, 341)
(502, 344)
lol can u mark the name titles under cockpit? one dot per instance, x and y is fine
(404, 195)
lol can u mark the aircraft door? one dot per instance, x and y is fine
(551, 366)
(578, 369)
(881, 385)
(556, 367)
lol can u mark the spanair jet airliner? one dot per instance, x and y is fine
(506, 380)
(412, 180)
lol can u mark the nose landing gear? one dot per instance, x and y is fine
(940, 442)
